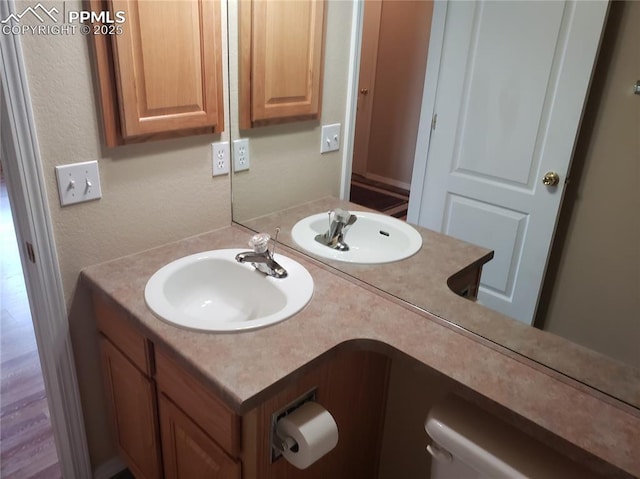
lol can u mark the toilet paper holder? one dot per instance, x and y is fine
(280, 444)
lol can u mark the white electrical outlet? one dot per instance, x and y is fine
(220, 158)
(241, 155)
(78, 182)
(330, 140)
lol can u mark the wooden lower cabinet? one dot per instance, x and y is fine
(132, 399)
(187, 451)
(169, 424)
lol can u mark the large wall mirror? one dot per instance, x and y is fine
(590, 295)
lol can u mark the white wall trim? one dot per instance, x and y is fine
(108, 469)
(26, 187)
(352, 99)
(436, 40)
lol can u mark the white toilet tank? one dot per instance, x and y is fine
(468, 443)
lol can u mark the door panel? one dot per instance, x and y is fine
(507, 96)
(483, 223)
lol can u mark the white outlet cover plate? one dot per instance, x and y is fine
(220, 158)
(330, 139)
(241, 156)
(78, 182)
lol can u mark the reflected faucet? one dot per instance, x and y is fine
(338, 226)
(261, 258)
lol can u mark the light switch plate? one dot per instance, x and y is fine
(330, 140)
(241, 155)
(78, 182)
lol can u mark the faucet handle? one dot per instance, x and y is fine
(260, 242)
(341, 215)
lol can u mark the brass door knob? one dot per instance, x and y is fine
(364, 91)
(550, 178)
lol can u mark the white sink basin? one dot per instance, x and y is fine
(374, 238)
(211, 291)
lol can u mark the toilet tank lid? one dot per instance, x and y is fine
(492, 447)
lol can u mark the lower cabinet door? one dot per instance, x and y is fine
(132, 399)
(187, 451)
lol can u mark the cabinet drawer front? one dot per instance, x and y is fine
(115, 324)
(206, 410)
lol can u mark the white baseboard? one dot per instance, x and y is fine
(108, 469)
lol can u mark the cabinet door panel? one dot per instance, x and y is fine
(282, 58)
(168, 66)
(133, 411)
(187, 451)
(204, 407)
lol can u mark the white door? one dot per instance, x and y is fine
(512, 83)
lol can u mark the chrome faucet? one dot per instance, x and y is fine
(261, 258)
(338, 226)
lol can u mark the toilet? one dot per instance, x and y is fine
(469, 443)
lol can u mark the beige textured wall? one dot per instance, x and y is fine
(413, 391)
(286, 166)
(151, 194)
(592, 290)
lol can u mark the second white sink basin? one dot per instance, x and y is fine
(374, 238)
(211, 291)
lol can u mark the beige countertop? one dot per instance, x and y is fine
(246, 368)
(441, 255)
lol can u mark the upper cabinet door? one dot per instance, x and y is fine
(168, 66)
(161, 76)
(281, 45)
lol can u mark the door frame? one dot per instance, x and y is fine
(432, 71)
(357, 20)
(372, 13)
(27, 193)
(427, 120)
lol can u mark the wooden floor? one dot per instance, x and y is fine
(27, 449)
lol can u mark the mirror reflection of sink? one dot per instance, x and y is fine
(374, 238)
(211, 291)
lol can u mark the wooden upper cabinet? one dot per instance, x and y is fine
(281, 45)
(162, 75)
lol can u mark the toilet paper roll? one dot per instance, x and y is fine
(313, 429)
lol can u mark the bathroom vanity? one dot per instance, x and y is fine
(193, 404)
(169, 422)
